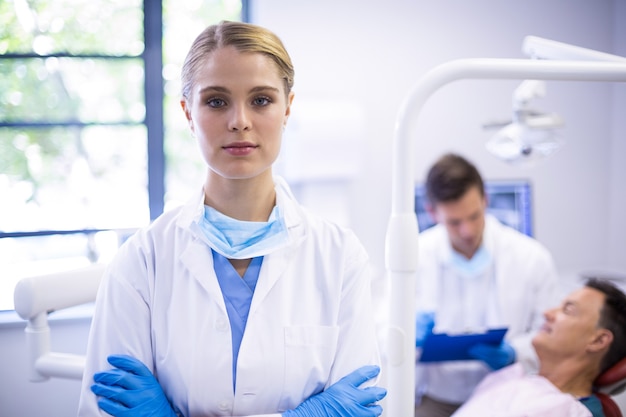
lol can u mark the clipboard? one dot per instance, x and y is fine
(444, 347)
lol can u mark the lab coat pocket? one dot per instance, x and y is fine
(309, 355)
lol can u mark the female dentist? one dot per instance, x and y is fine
(241, 302)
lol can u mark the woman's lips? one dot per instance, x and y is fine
(240, 148)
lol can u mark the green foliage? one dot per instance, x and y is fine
(75, 26)
(57, 90)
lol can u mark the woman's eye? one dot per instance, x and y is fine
(261, 101)
(216, 102)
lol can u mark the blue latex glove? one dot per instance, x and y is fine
(130, 390)
(495, 356)
(424, 324)
(344, 398)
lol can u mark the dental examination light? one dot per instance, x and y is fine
(401, 242)
(37, 296)
(531, 135)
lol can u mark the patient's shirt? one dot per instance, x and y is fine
(594, 405)
(510, 392)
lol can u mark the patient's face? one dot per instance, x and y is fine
(570, 328)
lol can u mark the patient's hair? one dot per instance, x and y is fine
(450, 178)
(612, 318)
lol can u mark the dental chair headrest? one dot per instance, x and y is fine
(613, 380)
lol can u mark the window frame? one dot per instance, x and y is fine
(154, 95)
(153, 121)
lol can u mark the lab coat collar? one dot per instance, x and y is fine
(198, 257)
(193, 211)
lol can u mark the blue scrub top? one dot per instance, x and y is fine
(237, 292)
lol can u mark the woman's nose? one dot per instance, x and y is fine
(239, 119)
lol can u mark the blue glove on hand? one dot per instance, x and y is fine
(495, 356)
(424, 325)
(131, 390)
(344, 398)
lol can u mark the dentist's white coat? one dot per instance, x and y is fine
(310, 322)
(524, 283)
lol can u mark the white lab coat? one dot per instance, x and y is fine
(523, 283)
(310, 322)
(510, 392)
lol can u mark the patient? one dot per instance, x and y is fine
(579, 340)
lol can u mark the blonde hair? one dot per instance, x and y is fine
(245, 37)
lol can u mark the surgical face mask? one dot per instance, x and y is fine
(238, 239)
(475, 266)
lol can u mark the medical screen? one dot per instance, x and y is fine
(509, 201)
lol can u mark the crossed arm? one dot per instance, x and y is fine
(131, 390)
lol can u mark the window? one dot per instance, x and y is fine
(93, 143)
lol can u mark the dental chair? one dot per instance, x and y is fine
(609, 383)
(37, 296)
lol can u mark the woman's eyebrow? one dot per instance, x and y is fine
(214, 88)
(219, 89)
(264, 88)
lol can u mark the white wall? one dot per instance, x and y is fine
(370, 55)
(617, 219)
(365, 55)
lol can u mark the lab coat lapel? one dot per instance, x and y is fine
(272, 270)
(199, 261)
(276, 263)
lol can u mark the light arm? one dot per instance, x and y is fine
(540, 48)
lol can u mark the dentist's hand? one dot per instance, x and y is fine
(130, 390)
(344, 398)
(424, 324)
(495, 356)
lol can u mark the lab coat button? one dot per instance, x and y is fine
(221, 325)
(224, 405)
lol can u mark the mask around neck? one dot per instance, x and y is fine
(473, 267)
(239, 239)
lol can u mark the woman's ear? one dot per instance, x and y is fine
(187, 111)
(288, 109)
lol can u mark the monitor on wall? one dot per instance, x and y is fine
(509, 201)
